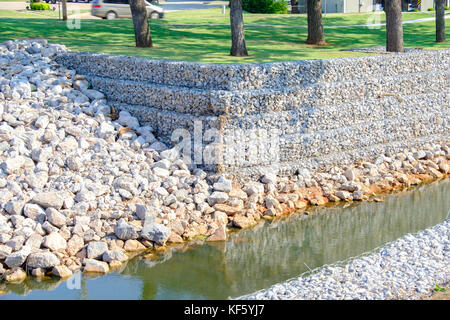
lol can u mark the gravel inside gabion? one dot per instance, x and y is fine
(339, 110)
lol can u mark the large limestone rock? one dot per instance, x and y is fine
(219, 235)
(155, 232)
(55, 242)
(43, 260)
(61, 272)
(125, 231)
(14, 275)
(16, 259)
(118, 255)
(96, 249)
(96, 266)
(56, 218)
(49, 200)
(75, 244)
(133, 245)
(5, 251)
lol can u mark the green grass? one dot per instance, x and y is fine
(11, 14)
(33, 14)
(40, 13)
(214, 15)
(211, 44)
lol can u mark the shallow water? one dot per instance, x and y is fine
(257, 258)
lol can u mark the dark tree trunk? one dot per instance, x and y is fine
(404, 5)
(440, 21)
(64, 9)
(294, 6)
(315, 27)
(140, 22)
(394, 26)
(238, 48)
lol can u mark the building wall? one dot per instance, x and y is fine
(353, 6)
(333, 6)
(427, 4)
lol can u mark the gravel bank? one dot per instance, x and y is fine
(85, 187)
(407, 268)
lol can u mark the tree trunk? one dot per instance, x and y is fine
(394, 26)
(238, 48)
(440, 21)
(64, 9)
(294, 6)
(315, 27)
(140, 22)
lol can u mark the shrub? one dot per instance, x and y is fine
(446, 8)
(39, 6)
(278, 7)
(265, 6)
(430, 9)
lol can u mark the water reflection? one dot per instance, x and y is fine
(257, 258)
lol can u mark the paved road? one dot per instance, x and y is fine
(170, 5)
(176, 5)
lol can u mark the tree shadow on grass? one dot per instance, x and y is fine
(210, 44)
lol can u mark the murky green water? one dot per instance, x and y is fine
(254, 259)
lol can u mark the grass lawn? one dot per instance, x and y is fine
(33, 14)
(214, 15)
(211, 44)
(11, 14)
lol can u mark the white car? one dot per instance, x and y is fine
(112, 9)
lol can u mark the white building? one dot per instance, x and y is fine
(352, 6)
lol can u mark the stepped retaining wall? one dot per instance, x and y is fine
(300, 114)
